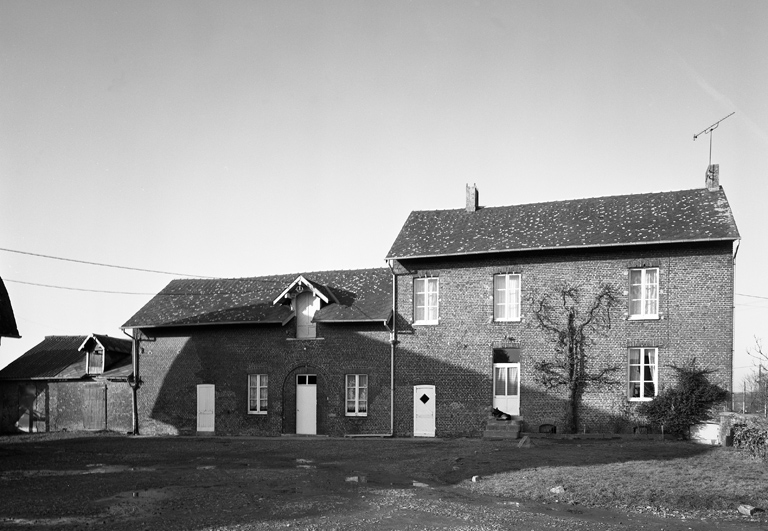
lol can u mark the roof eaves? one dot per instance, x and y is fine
(558, 247)
(176, 325)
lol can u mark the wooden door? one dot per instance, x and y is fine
(306, 404)
(424, 411)
(95, 407)
(306, 305)
(206, 408)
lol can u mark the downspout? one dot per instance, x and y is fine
(135, 382)
(392, 346)
(733, 323)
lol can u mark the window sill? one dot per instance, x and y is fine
(640, 399)
(644, 318)
(425, 323)
(518, 320)
(356, 415)
(304, 338)
(257, 412)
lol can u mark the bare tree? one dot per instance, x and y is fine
(572, 324)
(757, 381)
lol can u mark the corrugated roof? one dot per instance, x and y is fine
(59, 357)
(362, 294)
(682, 216)
(7, 319)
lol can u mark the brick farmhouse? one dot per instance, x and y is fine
(427, 345)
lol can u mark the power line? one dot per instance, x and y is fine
(76, 289)
(101, 264)
(752, 296)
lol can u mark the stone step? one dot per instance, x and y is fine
(501, 434)
(503, 426)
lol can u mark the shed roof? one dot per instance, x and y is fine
(61, 357)
(638, 219)
(358, 295)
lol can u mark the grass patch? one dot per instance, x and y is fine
(714, 480)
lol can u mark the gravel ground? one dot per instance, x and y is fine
(86, 481)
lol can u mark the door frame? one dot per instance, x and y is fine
(308, 399)
(422, 427)
(516, 407)
(202, 426)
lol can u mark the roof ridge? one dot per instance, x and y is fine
(573, 200)
(278, 276)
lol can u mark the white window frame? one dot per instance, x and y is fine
(645, 287)
(642, 379)
(354, 384)
(421, 293)
(512, 308)
(258, 387)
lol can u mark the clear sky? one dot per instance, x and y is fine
(246, 138)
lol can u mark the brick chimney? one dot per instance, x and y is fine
(711, 180)
(473, 198)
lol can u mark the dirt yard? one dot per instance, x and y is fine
(86, 481)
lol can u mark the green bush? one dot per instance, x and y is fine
(752, 439)
(686, 404)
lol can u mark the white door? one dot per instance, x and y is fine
(206, 407)
(306, 404)
(506, 387)
(424, 411)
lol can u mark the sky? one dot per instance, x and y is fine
(235, 139)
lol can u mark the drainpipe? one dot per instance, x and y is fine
(392, 346)
(135, 383)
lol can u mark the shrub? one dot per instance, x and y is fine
(752, 439)
(686, 404)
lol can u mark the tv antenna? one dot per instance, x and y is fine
(709, 131)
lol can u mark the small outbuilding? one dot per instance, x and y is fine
(69, 383)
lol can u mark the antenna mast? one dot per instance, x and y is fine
(709, 131)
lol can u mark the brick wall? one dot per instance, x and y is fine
(174, 361)
(696, 306)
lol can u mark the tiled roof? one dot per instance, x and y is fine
(59, 357)
(7, 319)
(47, 359)
(683, 216)
(362, 294)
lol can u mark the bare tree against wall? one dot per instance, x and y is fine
(572, 324)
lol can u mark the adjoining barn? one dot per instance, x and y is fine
(69, 383)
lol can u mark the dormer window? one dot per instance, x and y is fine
(306, 297)
(95, 361)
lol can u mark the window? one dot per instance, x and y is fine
(643, 373)
(425, 300)
(644, 293)
(506, 297)
(257, 394)
(357, 395)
